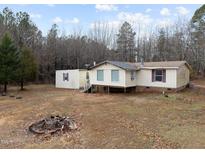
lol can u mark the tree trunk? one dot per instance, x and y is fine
(5, 87)
(22, 84)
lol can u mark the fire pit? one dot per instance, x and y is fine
(52, 125)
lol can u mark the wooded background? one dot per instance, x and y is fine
(185, 40)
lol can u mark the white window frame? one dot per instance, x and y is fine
(162, 75)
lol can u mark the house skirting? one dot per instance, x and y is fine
(112, 89)
(115, 89)
(159, 89)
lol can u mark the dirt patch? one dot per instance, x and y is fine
(2, 121)
(200, 81)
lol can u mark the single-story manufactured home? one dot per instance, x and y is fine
(116, 74)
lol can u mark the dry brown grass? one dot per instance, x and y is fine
(141, 120)
(199, 81)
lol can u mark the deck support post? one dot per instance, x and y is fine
(108, 90)
(124, 89)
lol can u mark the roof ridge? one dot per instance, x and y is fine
(135, 65)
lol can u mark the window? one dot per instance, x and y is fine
(100, 75)
(114, 75)
(133, 74)
(65, 77)
(159, 75)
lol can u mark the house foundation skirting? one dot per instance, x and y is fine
(159, 89)
(113, 89)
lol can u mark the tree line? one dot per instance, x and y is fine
(16, 65)
(183, 40)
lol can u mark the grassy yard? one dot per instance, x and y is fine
(141, 120)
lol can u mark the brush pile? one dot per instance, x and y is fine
(52, 125)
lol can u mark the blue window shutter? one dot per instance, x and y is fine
(114, 75)
(100, 75)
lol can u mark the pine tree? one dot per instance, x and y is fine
(161, 45)
(9, 60)
(27, 66)
(198, 39)
(52, 56)
(126, 42)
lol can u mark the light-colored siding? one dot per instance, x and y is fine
(144, 78)
(182, 76)
(175, 78)
(129, 82)
(77, 79)
(73, 82)
(107, 76)
(82, 78)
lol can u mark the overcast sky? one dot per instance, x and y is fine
(70, 17)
